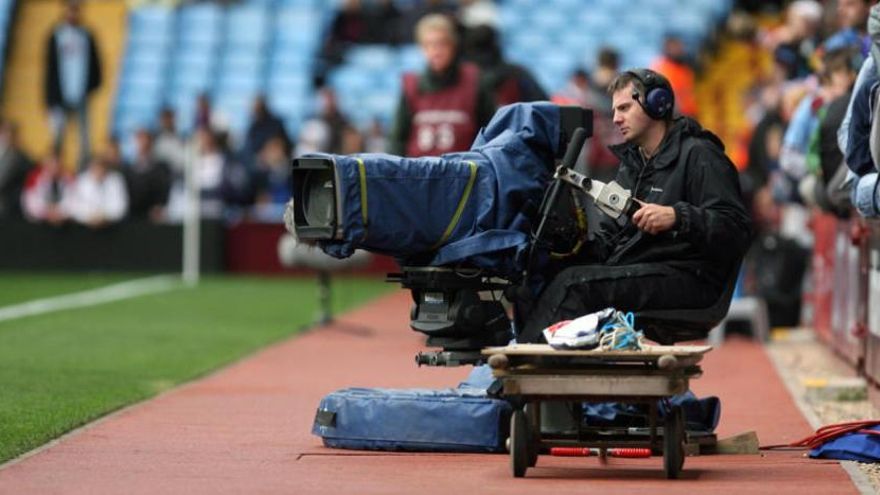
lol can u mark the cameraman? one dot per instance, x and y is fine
(683, 245)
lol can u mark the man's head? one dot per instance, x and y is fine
(260, 109)
(607, 61)
(841, 67)
(71, 12)
(166, 120)
(436, 35)
(674, 49)
(143, 143)
(853, 14)
(641, 100)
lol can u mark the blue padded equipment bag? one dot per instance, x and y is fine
(463, 419)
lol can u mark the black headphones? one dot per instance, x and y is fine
(659, 99)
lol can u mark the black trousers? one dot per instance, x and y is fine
(583, 289)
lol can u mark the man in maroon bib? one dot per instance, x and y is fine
(442, 109)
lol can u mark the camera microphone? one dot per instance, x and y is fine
(578, 138)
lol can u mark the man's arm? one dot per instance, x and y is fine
(714, 218)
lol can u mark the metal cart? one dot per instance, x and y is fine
(533, 373)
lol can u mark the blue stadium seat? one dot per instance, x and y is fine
(253, 63)
(410, 58)
(290, 106)
(247, 25)
(371, 57)
(297, 84)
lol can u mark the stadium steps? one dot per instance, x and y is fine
(23, 99)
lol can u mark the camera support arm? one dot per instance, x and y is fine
(611, 198)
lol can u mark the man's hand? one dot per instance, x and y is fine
(653, 218)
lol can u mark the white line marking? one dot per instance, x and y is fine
(93, 297)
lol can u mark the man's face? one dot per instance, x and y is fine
(439, 49)
(629, 117)
(852, 13)
(71, 14)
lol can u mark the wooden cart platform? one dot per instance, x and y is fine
(533, 373)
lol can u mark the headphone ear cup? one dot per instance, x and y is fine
(658, 103)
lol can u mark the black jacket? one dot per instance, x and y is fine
(691, 173)
(54, 96)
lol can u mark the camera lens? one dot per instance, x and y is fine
(319, 201)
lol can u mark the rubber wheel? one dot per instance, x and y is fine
(673, 443)
(534, 432)
(519, 444)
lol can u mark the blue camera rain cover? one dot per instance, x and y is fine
(458, 207)
(447, 420)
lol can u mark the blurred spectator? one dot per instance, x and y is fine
(591, 92)
(674, 64)
(423, 8)
(204, 113)
(442, 109)
(264, 126)
(824, 158)
(852, 15)
(766, 141)
(348, 27)
(273, 173)
(352, 141)
(474, 13)
(148, 180)
(375, 141)
(793, 43)
(382, 20)
(73, 72)
(99, 197)
(775, 265)
(113, 154)
(168, 147)
(324, 132)
(607, 68)
(508, 83)
(14, 168)
(47, 192)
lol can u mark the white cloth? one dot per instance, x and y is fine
(106, 198)
(73, 59)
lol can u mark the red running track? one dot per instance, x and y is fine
(246, 429)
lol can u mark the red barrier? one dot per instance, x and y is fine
(850, 298)
(872, 337)
(822, 263)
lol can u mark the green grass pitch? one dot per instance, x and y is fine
(61, 370)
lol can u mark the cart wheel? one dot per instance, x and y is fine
(534, 433)
(519, 444)
(673, 443)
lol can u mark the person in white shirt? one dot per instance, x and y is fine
(99, 196)
(73, 72)
(47, 192)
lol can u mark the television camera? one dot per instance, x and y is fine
(457, 305)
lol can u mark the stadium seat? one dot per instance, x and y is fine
(247, 26)
(371, 57)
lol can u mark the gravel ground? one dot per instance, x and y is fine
(800, 357)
